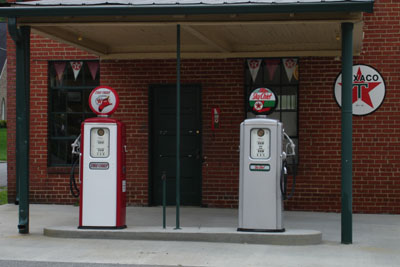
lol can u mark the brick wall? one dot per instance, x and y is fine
(376, 141)
(376, 137)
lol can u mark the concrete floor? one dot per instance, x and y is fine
(376, 240)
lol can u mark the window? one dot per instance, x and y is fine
(70, 84)
(281, 76)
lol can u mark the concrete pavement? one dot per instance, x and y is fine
(376, 240)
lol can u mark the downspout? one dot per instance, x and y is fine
(21, 37)
(178, 124)
(347, 132)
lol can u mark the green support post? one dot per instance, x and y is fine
(178, 123)
(347, 132)
(164, 198)
(21, 37)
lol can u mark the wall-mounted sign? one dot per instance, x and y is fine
(368, 90)
(103, 100)
(263, 101)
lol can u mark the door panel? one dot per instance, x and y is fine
(164, 143)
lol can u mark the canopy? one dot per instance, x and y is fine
(137, 29)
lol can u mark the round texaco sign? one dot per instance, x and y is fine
(262, 101)
(368, 90)
(103, 100)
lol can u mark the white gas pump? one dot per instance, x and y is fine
(261, 166)
(102, 164)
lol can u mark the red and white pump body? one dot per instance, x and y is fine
(103, 167)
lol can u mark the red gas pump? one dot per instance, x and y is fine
(102, 164)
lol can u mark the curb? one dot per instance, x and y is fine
(222, 235)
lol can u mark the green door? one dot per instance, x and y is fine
(163, 143)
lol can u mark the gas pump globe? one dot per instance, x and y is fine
(102, 164)
(261, 166)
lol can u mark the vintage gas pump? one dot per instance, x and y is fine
(261, 166)
(102, 164)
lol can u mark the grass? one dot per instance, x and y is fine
(3, 144)
(3, 195)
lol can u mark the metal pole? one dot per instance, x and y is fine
(347, 129)
(178, 122)
(164, 198)
(21, 37)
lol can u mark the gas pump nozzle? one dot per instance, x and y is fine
(76, 145)
(291, 152)
(292, 149)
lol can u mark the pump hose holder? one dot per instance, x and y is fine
(72, 183)
(283, 183)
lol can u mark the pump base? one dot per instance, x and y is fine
(261, 230)
(103, 227)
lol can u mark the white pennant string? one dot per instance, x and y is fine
(76, 67)
(254, 66)
(290, 66)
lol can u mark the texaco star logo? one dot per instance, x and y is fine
(254, 64)
(368, 90)
(258, 105)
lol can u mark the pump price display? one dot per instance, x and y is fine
(260, 141)
(99, 142)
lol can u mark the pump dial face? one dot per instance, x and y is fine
(260, 143)
(99, 142)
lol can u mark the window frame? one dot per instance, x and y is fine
(85, 112)
(250, 85)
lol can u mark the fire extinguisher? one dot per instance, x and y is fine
(215, 117)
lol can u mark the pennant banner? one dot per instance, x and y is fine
(254, 66)
(93, 67)
(76, 67)
(272, 65)
(60, 67)
(290, 67)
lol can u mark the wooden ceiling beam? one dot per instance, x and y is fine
(74, 39)
(186, 23)
(218, 44)
(220, 55)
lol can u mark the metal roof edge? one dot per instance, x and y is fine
(186, 9)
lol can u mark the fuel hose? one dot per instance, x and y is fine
(72, 183)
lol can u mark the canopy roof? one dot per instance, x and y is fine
(125, 29)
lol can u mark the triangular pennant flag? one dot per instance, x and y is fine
(254, 66)
(290, 66)
(93, 67)
(272, 65)
(60, 67)
(76, 67)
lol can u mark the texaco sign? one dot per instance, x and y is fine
(368, 90)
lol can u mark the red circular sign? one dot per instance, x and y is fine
(263, 101)
(103, 100)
